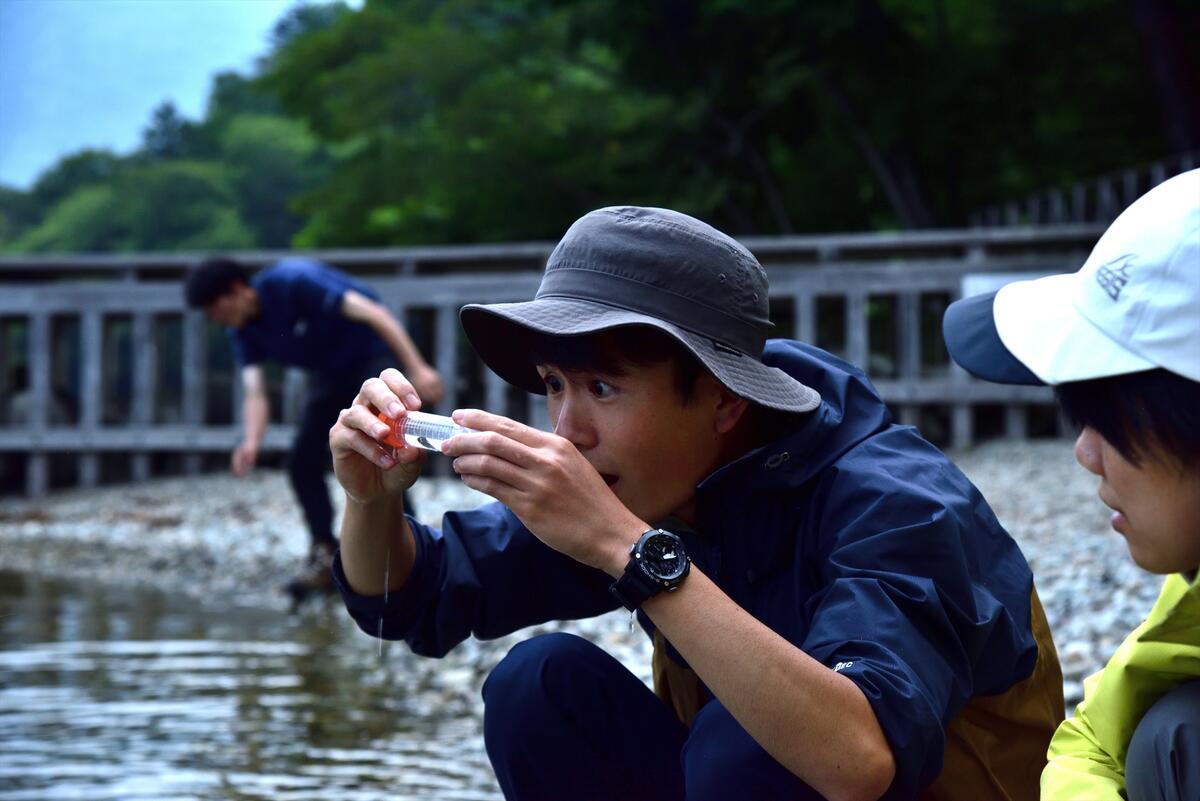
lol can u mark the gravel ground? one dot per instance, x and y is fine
(243, 538)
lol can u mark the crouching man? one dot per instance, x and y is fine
(836, 613)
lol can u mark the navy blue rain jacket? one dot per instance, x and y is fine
(851, 537)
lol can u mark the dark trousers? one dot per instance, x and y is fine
(565, 720)
(1163, 762)
(309, 460)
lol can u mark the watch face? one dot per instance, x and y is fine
(663, 556)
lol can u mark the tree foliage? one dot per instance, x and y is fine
(412, 121)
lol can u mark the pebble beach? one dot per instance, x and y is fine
(217, 536)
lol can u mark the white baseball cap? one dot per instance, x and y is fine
(1133, 306)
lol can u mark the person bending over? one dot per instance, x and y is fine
(302, 313)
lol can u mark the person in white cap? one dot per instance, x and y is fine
(1120, 342)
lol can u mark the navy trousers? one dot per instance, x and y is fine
(1163, 762)
(309, 459)
(565, 720)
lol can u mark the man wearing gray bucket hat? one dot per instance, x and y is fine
(834, 609)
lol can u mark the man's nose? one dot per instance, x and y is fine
(1087, 451)
(574, 424)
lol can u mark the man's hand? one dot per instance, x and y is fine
(244, 457)
(428, 384)
(549, 485)
(367, 470)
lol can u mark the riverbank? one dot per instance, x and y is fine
(238, 540)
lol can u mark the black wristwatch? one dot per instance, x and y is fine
(657, 561)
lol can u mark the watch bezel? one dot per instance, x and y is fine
(637, 583)
(639, 553)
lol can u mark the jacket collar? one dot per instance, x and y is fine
(737, 503)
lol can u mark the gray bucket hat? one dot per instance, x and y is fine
(628, 265)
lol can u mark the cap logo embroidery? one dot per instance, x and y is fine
(1113, 279)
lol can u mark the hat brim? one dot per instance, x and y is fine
(1039, 323)
(497, 331)
(969, 329)
(1030, 332)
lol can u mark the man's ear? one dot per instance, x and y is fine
(242, 289)
(729, 407)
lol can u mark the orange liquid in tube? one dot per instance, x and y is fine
(421, 430)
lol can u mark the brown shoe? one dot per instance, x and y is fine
(316, 578)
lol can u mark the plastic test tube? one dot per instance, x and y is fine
(422, 430)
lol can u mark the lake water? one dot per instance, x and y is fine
(139, 695)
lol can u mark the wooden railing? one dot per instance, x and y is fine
(1098, 200)
(104, 375)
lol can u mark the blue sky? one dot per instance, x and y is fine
(87, 73)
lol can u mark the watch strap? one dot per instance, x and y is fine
(637, 583)
(634, 587)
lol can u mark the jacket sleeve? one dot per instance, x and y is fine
(483, 574)
(925, 599)
(1087, 753)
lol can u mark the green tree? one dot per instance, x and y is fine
(17, 213)
(73, 171)
(270, 160)
(471, 120)
(164, 206)
(305, 18)
(232, 95)
(182, 205)
(168, 135)
(408, 121)
(886, 112)
(90, 219)
(464, 121)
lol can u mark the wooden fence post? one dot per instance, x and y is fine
(91, 327)
(195, 382)
(804, 313)
(908, 340)
(145, 353)
(37, 468)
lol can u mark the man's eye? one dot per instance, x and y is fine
(553, 384)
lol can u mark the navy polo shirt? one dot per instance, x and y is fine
(300, 322)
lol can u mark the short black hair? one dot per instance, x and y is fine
(211, 278)
(615, 350)
(1152, 414)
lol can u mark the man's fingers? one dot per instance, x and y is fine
(491, 486)
(390, 393)
(486, 421)
(494, 443)
(402, 388)
(486, 465)
(359, 420)
(348, 439)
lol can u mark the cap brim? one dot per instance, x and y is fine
(499, 333)
(1039, 323)
(969, 329)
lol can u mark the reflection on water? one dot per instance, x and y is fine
(122, 695)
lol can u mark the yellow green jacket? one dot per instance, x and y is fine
(1087, 753)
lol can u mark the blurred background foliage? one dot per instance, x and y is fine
(439, 121)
